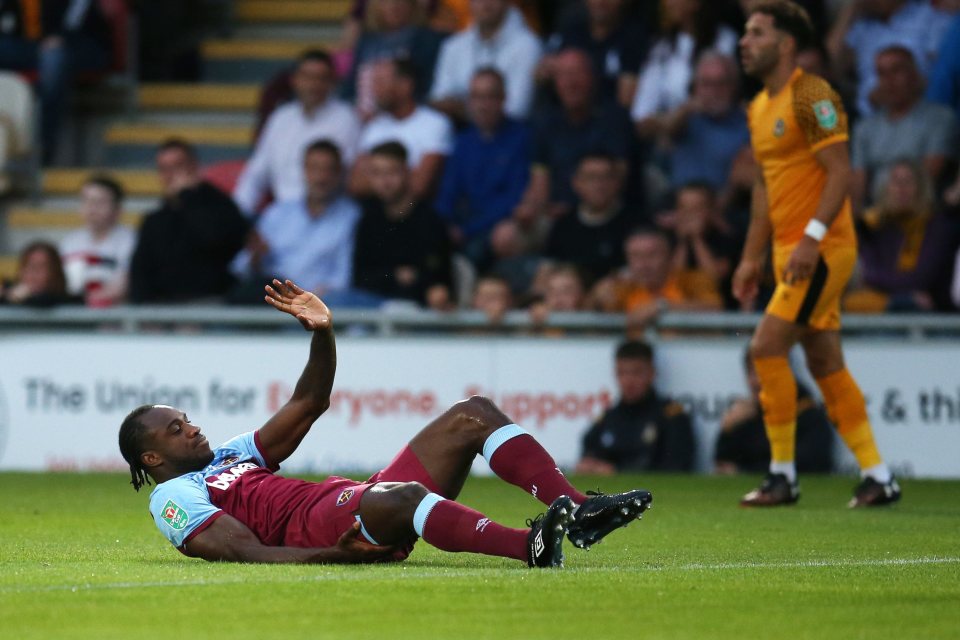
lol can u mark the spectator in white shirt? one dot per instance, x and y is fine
(425, 133)
(276, 166)
(665, 78)
(96, 259)
(498, 38)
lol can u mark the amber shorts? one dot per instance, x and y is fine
(815, 302)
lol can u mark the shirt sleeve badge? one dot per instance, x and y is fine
(175, 517)
(826, 114)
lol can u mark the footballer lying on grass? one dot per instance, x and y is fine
(227, 503)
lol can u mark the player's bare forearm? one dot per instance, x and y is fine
(316, 381)
(282, 433)
(836, 162)
(760, 229)
(229, 540)
(746, 278)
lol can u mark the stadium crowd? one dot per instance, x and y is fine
(580, 155)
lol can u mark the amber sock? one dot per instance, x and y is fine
(848, 411)
(778, 399)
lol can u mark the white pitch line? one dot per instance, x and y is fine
(439, 572)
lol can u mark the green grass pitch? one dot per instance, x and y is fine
(80, 558)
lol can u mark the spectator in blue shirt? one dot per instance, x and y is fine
(710, 129)
(580, 124)
(309, 240)
(944, 85)
(489, 168)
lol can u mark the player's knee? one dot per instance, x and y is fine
(476, 412)
(822, 365)
(409, 495)
(762, 346)
(477, 405)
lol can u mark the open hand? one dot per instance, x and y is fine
(305, 306)
(356, 549)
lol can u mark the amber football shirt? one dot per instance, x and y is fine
(786, 130)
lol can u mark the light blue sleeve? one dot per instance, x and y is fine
(246, 444)
(181, 506)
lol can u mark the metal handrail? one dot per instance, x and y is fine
(392, 321)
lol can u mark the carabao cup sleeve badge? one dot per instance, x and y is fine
(175, 517)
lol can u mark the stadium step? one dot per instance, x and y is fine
(150, 133)
(135, 143)
(8, 267)
(199, 97)
(292, 11)
(252, 60)
(254, 49)
(27, 224)
(32, 217)
(136, 182)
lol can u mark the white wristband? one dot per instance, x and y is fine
(816, 230)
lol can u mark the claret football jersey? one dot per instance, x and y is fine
(240, 482)
(786, 130)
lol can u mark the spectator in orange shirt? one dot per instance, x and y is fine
(650, 283)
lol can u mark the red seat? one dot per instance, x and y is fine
(224, 175)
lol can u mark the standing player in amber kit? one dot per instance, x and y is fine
(799, 134)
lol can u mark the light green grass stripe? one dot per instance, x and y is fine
(444, 573)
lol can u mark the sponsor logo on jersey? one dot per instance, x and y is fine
(779, 128)
(226, 462)
(344, 497)
(225, 479)
(826, 114)
(175, 517)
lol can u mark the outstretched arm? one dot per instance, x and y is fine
(228, 539)
(282, 433)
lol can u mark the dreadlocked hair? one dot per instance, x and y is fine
(132, 432)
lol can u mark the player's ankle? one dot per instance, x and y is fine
(789, 469)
